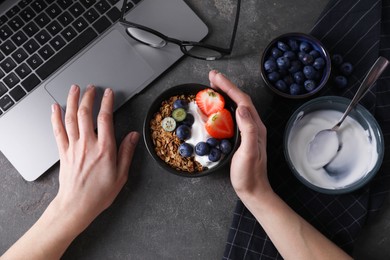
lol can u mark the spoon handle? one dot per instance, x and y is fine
(372, 75)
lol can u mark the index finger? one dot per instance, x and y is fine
(105, 118)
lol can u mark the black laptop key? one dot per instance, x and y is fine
(3, 19)
(5, 32)
(87, 3)
(27, 14)
(11, 80)
(3, 89)
(66, 53)
(7, 65)
(53, 11)
(64, 4)
(30, 29)
(30, 82)
(54, 28)
(129, 6)
(46, 52)
(42, 20)
(2, 74)
(17, 93)
(34, 61)
(80, 24)
(91, 15)
(38, 5)
(6, 102)
(76, 9)
(16, 23)
(57, 42)
(7, 47)
(23, 70)
(102, 6)
(114, 14)
(13, 11)
(136, 1)
(102, 24)
(31, 46)
(19, 55)
(19, 38)
(69, 33)
(42, 37)
(22, 4)
(112, 2)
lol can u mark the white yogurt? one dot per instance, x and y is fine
(199, 134)
(356, 157)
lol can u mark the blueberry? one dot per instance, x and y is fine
(346, 68)
(288, 80)
(309, 72)
(189, 120)
(213, 142)
(180, 103)
(296, 89)
(307, 59)
(186, 150)
(290, 55)
(295, 66)
(301, 54)
(309, 85)
(294, 46)
(276, 53)
(183, 132)
(341, 81)
(319, 63)
(282, 46)
(270, 65)
(273, 76)
(281, 85)
(202, 148)
(337, 59)
(225, 146)
(283, 62)
(305, 46)
(215, 154)
(299, 77)
(315, 54)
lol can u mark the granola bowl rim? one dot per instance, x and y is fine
(187, 89)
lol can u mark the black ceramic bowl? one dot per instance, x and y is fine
(287, 75)
(186, 89)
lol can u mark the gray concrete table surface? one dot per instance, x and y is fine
(158, 215)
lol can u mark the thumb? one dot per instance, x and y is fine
(248, 129)
(126, 152)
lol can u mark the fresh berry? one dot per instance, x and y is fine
(294, 46)
(183, 132)
(180, 103)
(179, 114)
(209, 101)
(225, 146)
(307, 59)
(315, 54)
(215, 155)
(290, 55)
(296, 89)
(283, 63)
(305, 47)
(220, 125)
(281, 85)
(295, 66)
(273, 76)
(202, 148)
(282, 46)
(168, 124)
(346, 68)
(276, 53)
(270, 65)
(319, 63)
(309, 85)
(186, 150)
(189, 120)
(299, 77)
(309, 72)
(341, 81)
(337, 59)
(213, 142)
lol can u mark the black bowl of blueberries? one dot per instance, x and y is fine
(295, 65)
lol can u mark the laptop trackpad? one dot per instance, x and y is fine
(111, 62)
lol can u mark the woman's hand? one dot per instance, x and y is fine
(249, 164)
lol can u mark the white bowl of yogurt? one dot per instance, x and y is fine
(360, 152)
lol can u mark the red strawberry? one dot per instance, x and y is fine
(209, 101)
(220, 125)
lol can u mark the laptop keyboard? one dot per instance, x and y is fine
(37, 37)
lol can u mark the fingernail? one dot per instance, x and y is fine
(107, 92)
(53, 108)
(90, 86)
(73, 88)
(243, 112)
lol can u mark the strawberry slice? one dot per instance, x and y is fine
(209, 101)
(220, 125)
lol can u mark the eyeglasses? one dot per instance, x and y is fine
(156, 39)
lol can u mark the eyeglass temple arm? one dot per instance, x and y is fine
(123, 11)
(235, 25)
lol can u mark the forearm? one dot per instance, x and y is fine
(293, 236)
(49, 237)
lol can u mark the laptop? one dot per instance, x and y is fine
(48, 45)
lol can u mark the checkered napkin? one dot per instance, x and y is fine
(359, 30)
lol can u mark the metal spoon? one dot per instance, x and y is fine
(325, 144)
